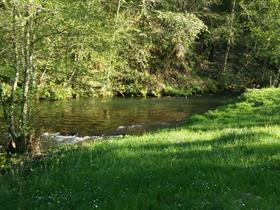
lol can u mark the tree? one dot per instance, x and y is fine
(28, 28)
(230, 36)
(19, 36)
(263, 37)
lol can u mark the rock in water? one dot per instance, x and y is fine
(121, 127)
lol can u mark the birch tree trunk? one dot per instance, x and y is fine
(22, 140)
(8, 102)
(119, 7)
(17, 72)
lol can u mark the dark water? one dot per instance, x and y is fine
(89, 117)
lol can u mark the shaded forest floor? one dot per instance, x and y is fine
(226, 159)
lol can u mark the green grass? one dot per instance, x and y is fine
(226, 159)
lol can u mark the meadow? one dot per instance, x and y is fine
(228, 158)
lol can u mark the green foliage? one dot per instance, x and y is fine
(54, 91)
(89, 46)
(69, 49)
(92, 46)
(264, 28)
(221, 160)
(181, 28)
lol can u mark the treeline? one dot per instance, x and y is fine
(65, 49)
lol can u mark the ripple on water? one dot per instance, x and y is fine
(106, 117)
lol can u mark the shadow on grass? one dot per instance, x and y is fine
(232, 169)
(224, 173)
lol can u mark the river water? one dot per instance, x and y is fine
(114, 116)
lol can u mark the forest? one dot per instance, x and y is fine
(138, 48)
(98, 62)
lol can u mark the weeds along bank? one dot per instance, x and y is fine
(226, 159)
(132, 83)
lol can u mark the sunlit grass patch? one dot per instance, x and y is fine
(226, 159)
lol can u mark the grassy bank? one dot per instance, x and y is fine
(225, 159)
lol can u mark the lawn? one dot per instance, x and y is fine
(228, 158)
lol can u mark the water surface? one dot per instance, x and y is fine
(121, 115)
(95, 117)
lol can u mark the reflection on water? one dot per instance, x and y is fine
(120, 116)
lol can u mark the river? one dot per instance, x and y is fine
(115, 116)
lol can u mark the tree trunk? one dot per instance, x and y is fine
(7, 102)
(43, 75)
(16, 58)
(277, 78)
(27, 67)
(74, 71)
(17, 72)
(231, 34)
(21, 142)
(119, 7)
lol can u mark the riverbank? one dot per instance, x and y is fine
(226, 159)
